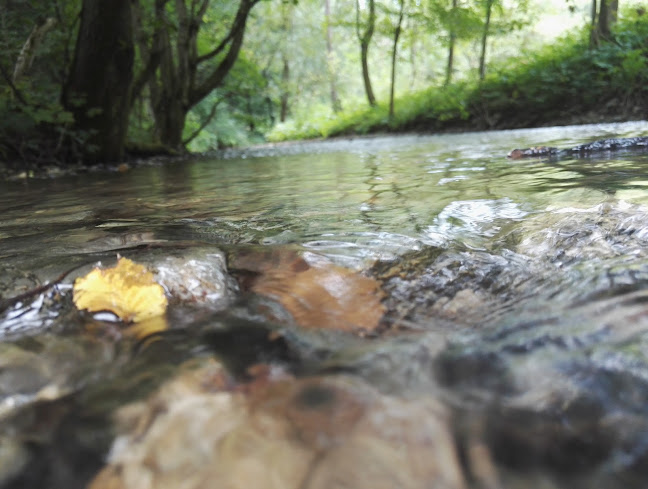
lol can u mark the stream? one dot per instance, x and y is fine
(379, 312)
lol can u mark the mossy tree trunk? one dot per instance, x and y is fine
(97, 91)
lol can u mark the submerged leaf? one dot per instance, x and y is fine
(128, 290)
(318, 295)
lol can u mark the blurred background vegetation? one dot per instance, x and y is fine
(204, 74)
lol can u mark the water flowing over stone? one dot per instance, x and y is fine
(313, 433)
(413, 311)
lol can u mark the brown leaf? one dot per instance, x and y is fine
(321, 296)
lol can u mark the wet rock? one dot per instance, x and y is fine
(593, 252)
(461, 305)
(14, 281)
(574, 235)
(320, 432)
(593, 148)
(445, 289)
(13, 457)
(564, 395)
(562, 257)
(38, 375)
(48, 368)
(197, 276)
(397, 364)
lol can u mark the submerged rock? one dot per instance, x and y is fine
(38, 376)
(445, 289)
(197, 276)
(572, 235)
(560, 257)
(565, 396)
(320, 432)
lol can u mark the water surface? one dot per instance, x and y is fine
(553, 250)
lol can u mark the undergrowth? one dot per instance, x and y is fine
(566, 82)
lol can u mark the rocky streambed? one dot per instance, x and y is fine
(518, 365)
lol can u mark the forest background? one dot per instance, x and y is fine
(87, 81)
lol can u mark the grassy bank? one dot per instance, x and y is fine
(565, 83)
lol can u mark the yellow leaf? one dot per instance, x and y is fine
(128, 290)
(146, 327)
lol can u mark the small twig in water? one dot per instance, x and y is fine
(7, 303)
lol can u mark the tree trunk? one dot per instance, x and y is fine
(177, 87)
(593, 27)
(450, 64)
(603, 24)
(168, 95)
(234, 40)
(607, 18)
(170, 114)
(451, 45)
(285, 78)
(397, 33)
(412, 56)
(603, 18)
(613, 12)
(97, 91)
(29, 49)
(365, 39)
(286, 28)
(482, 55)
(335, 100)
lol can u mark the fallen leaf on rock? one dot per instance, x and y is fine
(320, 295)
(128, 290)
(332, 297)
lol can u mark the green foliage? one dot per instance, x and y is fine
(569, 77)
(236, 114)
(434, 107)
(562, 81)
(33, 124)
(463, 20)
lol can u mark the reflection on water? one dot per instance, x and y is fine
(477, 219)
(408, 187)
(520, 286)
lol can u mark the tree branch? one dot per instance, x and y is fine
(217, 50)
(28, 51)
(235, 35)
(13, 87)
(153, 56)
(204, 124)
(230, 35)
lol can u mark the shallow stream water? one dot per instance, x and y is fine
(515, 296)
